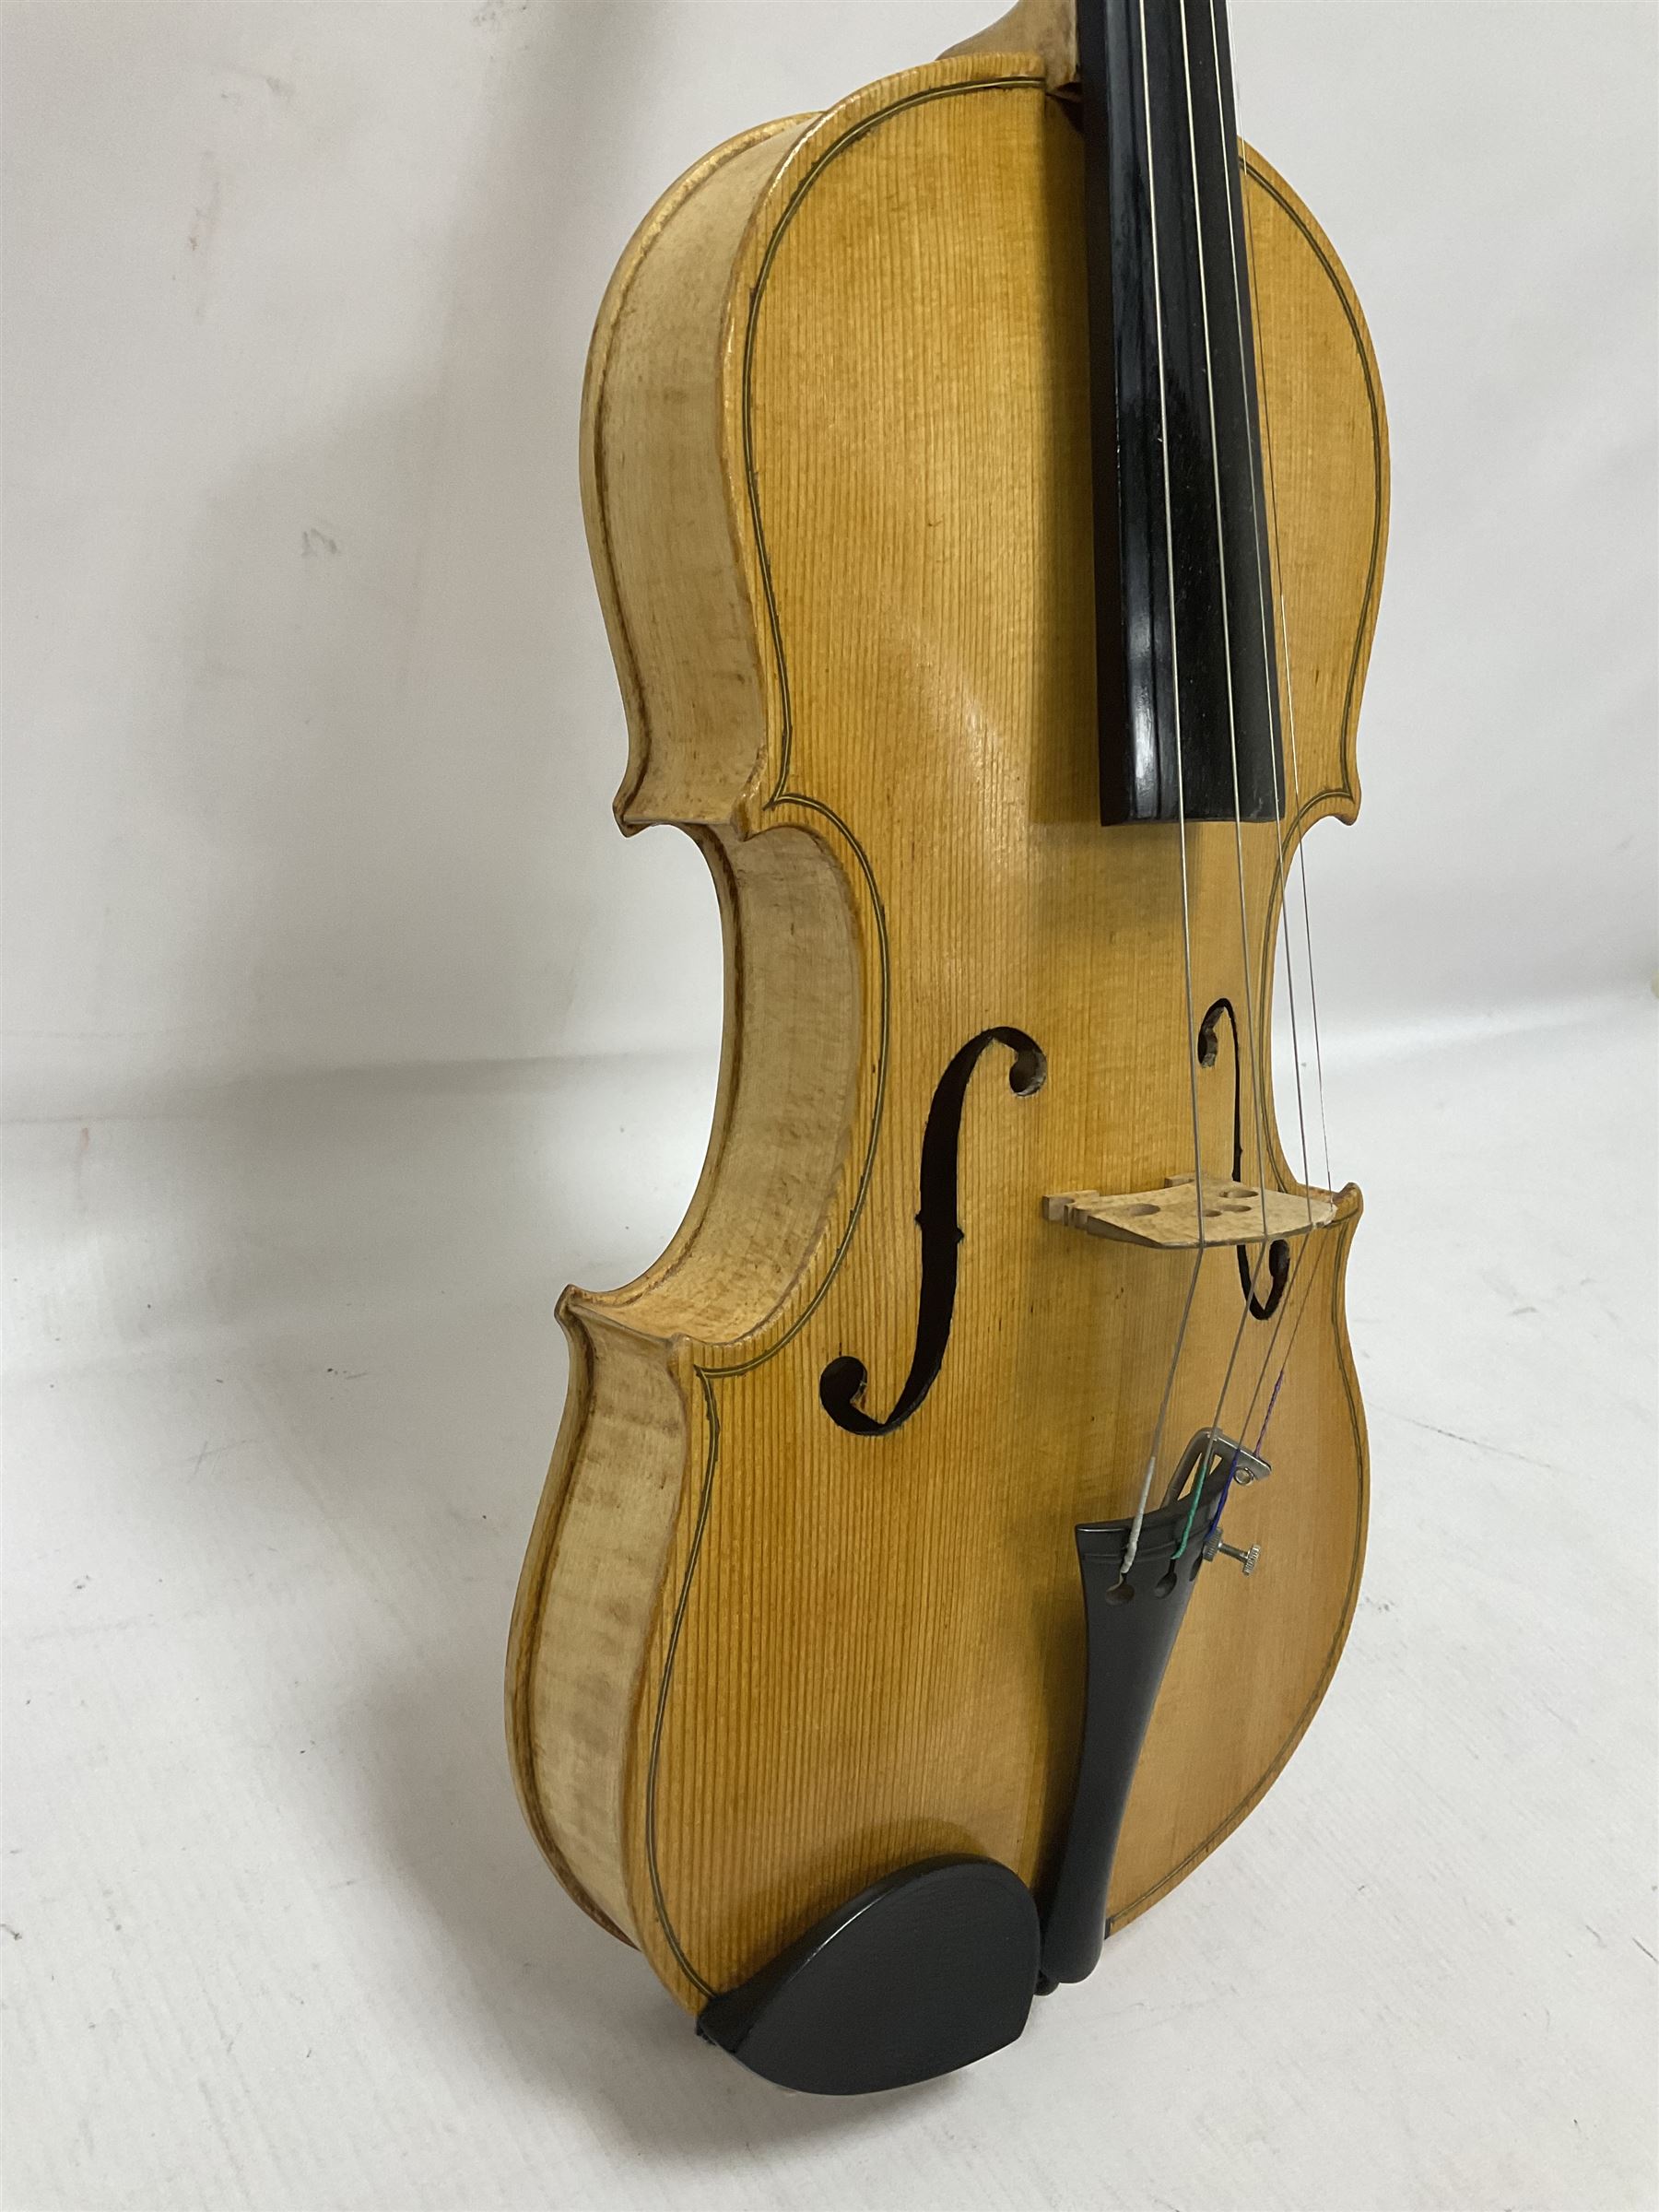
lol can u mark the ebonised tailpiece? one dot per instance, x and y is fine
(1132, 1621)
(935, 1965)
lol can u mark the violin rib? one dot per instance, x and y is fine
(837, 486)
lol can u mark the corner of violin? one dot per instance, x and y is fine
(1353, 513)
(665, 467)
(524, 1737)
(586, 1596)
(656, 499)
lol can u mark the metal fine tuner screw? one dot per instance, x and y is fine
(1247, 1559)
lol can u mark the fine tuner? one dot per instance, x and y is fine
(1247, 1559)
(986, 480)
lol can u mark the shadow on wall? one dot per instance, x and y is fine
(385, 778)
(397, 1286)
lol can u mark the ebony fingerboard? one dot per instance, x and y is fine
(1185, 644)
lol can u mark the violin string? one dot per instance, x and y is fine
(1256, 1099)
(1285, 1304)
(1278, 1381)
(1214, 1434)
(1297, 1267)
(1272, 632)
(1187, 912)
(1257, 1090)
(1215, 1520)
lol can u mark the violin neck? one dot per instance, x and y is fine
(1184, 631)
(1187, 686)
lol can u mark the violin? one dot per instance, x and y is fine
(950, 1537)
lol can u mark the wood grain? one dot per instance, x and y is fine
(837, 480)
(1046, 28)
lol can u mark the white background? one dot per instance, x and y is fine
(341, 1028)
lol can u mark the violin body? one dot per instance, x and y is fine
(837, 486)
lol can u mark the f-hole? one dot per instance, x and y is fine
(1278, 1252)
(842, 1384)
